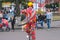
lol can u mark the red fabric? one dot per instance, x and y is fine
(0, 25)
(32, 0)
(30, 11)
(33, 35)
(5, 22)
(41, 5)
(31, 24)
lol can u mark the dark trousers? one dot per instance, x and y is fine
(0, 20)
(49, 23)
(12, 24)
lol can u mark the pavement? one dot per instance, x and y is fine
(41, 34)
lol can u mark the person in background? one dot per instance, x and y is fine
(5, 15)
(5, 22)
(41, 20)
(48, 18)
(12, 23)
(1, 16)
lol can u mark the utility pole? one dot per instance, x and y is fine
(0, 4)
(40, 4)
(59, 6)
(17, 8)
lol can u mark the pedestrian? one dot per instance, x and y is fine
(48, 18)
(1, 16)
(41, 18)
(13, 22)
(5, 15)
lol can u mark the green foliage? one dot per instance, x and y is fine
(47, 6)
(53, 5)
(8, 0)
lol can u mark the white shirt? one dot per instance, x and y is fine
(1, 15)
(48, 15)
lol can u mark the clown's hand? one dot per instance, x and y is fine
(23, 28)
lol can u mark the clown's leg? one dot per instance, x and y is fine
(33, 35)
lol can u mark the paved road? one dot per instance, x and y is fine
(41, 34)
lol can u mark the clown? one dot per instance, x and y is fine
(29, 27)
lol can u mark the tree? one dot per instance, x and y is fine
(0, 5)
(47, 5)
(17, 2)
(23, 2)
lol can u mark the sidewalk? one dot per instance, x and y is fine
(54, 24)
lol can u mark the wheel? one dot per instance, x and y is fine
(1, 30)
(29, 36)
(7, 29)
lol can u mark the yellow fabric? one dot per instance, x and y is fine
(30, 4)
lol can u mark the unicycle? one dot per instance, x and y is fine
(28, 30)
(30, 33)
(29, 37)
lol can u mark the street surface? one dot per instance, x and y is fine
(41, 34)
